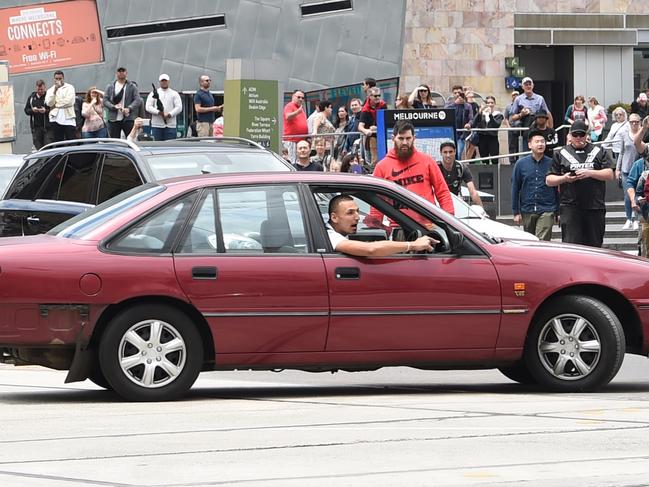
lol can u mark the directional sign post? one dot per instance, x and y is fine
(251, 111)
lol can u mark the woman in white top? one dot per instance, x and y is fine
(322, 124)
(625, 160)
(615, 133)
(596, 118)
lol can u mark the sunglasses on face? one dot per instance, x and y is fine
(578, 134)
(376, 96)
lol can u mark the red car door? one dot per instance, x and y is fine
(437, 301)
(255, 279)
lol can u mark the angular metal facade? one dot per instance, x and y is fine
(309, 53)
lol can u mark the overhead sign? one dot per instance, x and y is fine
(432, 127)
(7, 115)
(342, 95)
(252, 111)
(50, 35)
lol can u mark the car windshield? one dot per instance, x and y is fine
(84, 223)
(462, 210)
(6, 174)
(190, 164)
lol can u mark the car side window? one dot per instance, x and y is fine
(118, 174)
(265, 219)
(200, 237)
(75, 181)
(157, 232)
(380, 217)
(31, 176)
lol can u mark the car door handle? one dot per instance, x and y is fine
(204, 273)
(33, 219)
(348, 273)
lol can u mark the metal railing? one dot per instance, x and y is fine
(289, 138)
(240, 140)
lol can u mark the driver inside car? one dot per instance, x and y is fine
(343, 220)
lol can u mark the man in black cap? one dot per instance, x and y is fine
(581, 170)
(122, 100)
(540, 124)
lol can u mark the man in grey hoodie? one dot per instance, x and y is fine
(122, 100)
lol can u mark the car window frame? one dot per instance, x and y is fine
(221, 250)
(182, 236)
(53, 161)
(100, 172)
(104, 245)
(64, 160)
(474, 249)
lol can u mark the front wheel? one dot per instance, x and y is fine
(151, 353)
(575, 344)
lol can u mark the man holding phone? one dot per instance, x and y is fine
(581, 170)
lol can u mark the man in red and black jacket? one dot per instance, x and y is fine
(367, 124)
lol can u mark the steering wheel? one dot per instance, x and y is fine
(444, 245)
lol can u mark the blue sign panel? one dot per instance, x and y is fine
(432, 127)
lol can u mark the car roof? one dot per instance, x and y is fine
(225, 144)
(249, 178)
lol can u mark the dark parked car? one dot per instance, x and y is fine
(236, 271)
(66, 178)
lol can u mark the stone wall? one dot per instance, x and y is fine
(448, 42)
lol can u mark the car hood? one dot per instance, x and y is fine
(544, 246)
(497, 229)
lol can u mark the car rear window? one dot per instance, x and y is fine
(84, 223)
(166, 166)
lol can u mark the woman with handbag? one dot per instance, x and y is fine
(92, 111)
(596, 117)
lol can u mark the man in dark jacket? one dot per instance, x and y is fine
(38, 113)
(123, 101)
(581, 170)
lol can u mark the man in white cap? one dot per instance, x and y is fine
(526, 105)
(164, 104)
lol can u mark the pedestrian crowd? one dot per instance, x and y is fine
(57, 113)
(550, 184)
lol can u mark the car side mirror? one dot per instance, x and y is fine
(455, 239)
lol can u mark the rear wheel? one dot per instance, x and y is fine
(575, 344)
(151, 353)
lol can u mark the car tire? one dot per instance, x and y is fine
(151, 353)
(518, 372)
(575, 344)
(97, 377)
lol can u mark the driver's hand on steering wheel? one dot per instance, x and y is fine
(423, 244)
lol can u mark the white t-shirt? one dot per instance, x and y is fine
(334, 236)
(118, 87)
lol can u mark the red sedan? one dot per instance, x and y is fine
(146, 290)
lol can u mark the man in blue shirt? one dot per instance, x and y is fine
(205, 108)
(533, 202)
